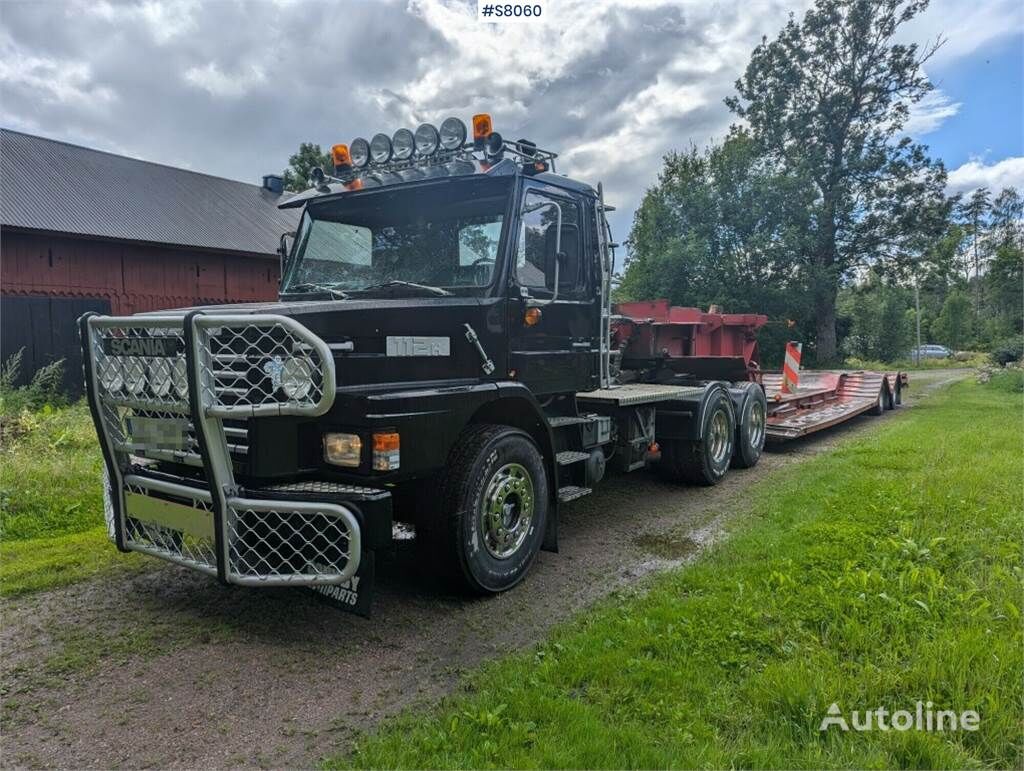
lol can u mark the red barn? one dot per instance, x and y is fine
(84, 230)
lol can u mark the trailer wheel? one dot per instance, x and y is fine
(879, 406)
(493, 508)
(750, 428)
(703, 462)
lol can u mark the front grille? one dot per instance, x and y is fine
(252, 367)
(288, 541)
(191, 543)
(245, 367)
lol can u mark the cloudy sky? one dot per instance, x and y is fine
(232, 88)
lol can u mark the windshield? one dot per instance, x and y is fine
(423, 239)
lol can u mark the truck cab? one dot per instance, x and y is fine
(441, 354)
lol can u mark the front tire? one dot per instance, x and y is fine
(705, 461)
(493, 508)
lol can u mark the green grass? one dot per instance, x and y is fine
(973, 359)
(880, 574)
(51, 501)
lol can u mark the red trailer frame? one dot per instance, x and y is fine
(723, 346)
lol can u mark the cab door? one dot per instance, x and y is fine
(553, 324)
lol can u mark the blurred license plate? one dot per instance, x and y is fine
(158, 433)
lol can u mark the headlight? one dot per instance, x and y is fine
(160, 376)
(404, 143)
(427, 140)
(453, 134)
(296, 379)
(179, 375)
(359, 152)
(112, 374)
(135, 374)
(343, 449)
(380, 148)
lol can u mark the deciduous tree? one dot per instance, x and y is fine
(827, 101)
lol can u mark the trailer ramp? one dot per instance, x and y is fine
(825, 398)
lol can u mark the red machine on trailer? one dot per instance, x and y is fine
(652, 334)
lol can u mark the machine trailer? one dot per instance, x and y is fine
(444, 353)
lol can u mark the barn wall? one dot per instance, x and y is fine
(131, 277)
(49, 280)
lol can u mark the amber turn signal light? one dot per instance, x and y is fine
(532, 316)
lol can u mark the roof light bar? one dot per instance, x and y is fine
(429, 152)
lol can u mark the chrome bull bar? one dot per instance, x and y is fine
(162, 386)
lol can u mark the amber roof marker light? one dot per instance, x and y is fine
(482, 128)
(341, 158)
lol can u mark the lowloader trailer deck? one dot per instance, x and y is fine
(444, 354)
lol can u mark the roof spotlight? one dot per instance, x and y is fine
(453, 134)
(359, 152)
(380, 148)
(427, 140)
(404, 143)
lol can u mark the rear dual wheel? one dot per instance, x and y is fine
(704, 461)
(751, 427)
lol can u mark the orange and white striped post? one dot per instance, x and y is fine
(791, 368)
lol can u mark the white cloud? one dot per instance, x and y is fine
(164, 21)
(1008, 172)
(930, 113)
(56, 81)
(211, 79)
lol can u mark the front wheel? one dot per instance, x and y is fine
(493, 508)
(705, 461)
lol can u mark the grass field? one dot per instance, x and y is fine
(51, 502)
(886, 572)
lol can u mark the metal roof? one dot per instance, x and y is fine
(55, 186)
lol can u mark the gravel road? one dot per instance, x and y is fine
(167, 668)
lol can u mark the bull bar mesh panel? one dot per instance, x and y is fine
(246, 366)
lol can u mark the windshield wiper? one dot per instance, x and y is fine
(306, 288)
(436, 291)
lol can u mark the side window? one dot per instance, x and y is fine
(535, 256)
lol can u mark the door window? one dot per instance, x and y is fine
(536, 258)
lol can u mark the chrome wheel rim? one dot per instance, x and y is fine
(756, 425)
(508, 507)
(719, 436)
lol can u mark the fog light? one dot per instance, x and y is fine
(386, 454)
(343, 449)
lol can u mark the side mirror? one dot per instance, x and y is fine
(284, 249)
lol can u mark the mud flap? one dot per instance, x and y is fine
(550, 542)
(356, 594)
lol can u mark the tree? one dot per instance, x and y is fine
(719, 227)
(953, 326)
(827, 101)
(296, 176)
(975, 213)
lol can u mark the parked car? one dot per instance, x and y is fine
(930, 352)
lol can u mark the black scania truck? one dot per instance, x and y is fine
(441, 355)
